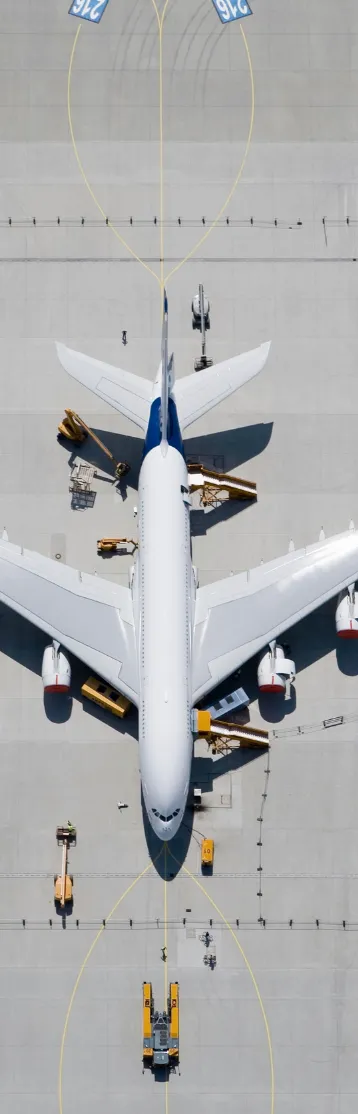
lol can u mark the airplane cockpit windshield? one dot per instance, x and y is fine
(166, 819)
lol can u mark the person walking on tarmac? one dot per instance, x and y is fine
(164, 955)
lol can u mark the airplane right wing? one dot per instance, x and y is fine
(238, 616)
(128, 393)
(197, 393)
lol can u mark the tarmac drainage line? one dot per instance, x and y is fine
(197, 926)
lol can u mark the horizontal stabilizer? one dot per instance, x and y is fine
(198, 393)
(128, 393)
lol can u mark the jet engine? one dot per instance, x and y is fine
(56, 669)
(347, 613)
(276, 673)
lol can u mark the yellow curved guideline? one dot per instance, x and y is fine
(249, 969)
(162, 280)
(82, 969)
(238, 176)
(83, 172)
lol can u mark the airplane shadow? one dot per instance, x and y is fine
(24, 643)
(168, 865)
(230, 447)
(204, 771)
(225, 450)
(201, 522)
(306, 642)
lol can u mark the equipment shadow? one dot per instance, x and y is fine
(123, 447)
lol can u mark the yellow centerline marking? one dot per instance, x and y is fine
(160, 21)
(83, 172)
(249, 969)
(162, 280)
(165, 924)
(238, 176)
(81, 971)
(166, 953)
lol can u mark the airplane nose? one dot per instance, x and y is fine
(165, 829)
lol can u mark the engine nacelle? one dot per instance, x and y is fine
(276, 673)
(347, 614)
(56, 669)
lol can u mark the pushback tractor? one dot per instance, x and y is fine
(160, 1029)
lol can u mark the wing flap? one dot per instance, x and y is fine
(128, 393)
(238, 616)
(89, 616)
(198, 393)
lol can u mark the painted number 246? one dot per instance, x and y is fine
(230, 10)
(86, 7)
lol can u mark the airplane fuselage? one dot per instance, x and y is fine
(165, 604)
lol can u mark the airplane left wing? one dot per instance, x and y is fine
(91, 617)
(238, 616)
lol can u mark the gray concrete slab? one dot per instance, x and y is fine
(293, 431)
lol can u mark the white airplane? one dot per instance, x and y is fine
(163, 642)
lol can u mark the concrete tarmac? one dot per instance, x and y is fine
(279, 264)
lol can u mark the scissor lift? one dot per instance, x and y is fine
(65, 835)
(160, 1029)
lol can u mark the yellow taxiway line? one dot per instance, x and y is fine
(90, 951)
(160, 21)
(230, 195)
(79, 977)
(250, 971)
(163, 279)
(95, 200)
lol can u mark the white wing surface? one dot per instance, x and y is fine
(89, 616)
(130, 394)
(238, 616)
(198, 393)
